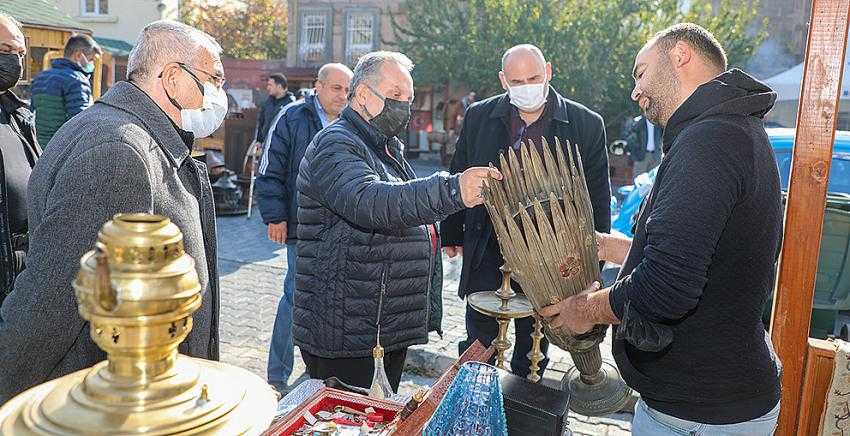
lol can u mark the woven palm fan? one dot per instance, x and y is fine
(542, 215)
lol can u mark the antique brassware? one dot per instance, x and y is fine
(504, 304)
(542, 216)
(138, 290)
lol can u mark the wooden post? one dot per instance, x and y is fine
(816, 119)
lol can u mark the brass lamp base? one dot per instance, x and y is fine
(206, 397)
(608, 395)
(595, 386)
(138, 289)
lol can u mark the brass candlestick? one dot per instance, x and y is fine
(504, 304)
(535, 355)
(138, 290)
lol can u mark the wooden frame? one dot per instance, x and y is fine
(816, 380)
(816, 120)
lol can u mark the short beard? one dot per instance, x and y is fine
(662, 93)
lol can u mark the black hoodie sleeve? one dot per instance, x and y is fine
(701, 183)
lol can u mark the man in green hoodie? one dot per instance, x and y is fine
(687, 304)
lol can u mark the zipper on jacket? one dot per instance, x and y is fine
(399, 166)
(381, 296)
(431, 259)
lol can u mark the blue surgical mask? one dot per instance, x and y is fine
(88, 67)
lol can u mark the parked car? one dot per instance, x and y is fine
(831, 305)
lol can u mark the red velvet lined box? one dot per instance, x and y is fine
(326, 399)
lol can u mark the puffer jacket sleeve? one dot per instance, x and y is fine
(345, 183)
(77, 96)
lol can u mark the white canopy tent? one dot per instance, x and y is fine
(787, 86)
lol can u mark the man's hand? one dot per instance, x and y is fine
(453, 250)
(612, 248)
(277, 232)
(572, 314)
(472, 182)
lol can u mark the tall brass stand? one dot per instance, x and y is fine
(504, 305)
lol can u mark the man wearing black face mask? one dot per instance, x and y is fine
(367, 248)
(129, 153)
(18, 152)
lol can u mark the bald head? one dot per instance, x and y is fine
(523, 53)
(328, 69)
(524, 64)
(332, 86)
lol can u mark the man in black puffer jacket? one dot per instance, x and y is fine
(366, 239)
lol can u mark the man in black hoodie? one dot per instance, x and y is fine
(687, 305)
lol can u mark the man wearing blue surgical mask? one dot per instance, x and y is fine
(530, 109)
(128, 153)
(64, 90)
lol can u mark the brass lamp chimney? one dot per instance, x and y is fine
(543, 220)
(138, 289)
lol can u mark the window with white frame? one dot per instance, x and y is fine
(313, 37)
(94, 7)
(360, 35)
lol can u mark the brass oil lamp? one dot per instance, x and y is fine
(138, 290)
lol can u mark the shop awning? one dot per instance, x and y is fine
(116, 47)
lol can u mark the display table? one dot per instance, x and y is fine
(526, 405)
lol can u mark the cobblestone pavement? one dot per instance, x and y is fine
(252, 270)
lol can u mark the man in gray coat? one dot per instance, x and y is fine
(124, 154)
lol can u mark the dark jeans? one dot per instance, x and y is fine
(357, 371)
(485, 329)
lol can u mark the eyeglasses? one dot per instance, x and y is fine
(217, 80)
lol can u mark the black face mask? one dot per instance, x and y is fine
(10, 70)
(393, 118)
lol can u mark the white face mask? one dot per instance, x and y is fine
(202, 122)
(528, 98)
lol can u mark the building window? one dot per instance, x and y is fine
(360, 35)
(95, 7)
(314, 30)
